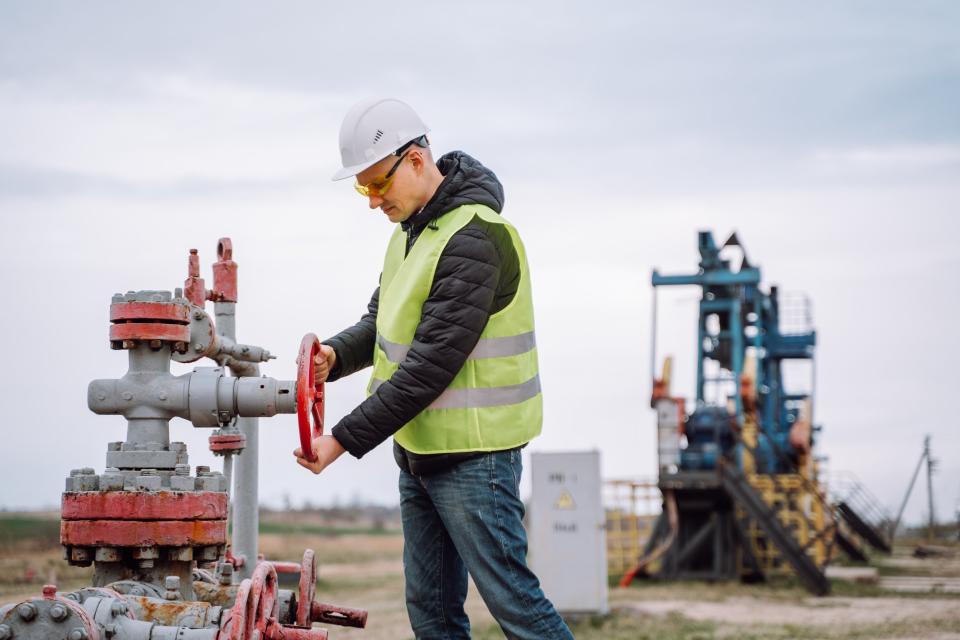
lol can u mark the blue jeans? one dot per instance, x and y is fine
(469, 519)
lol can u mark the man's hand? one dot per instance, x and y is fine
(323, 363)
(325, 448)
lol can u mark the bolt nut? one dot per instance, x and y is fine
(110, 630)
(198, 315)
(27, 611)
(149, 482)
(207, 482)
(78, 633)
(118, 608)
(182, 483)
(58, 612)
(5, 632)
(126, 395)
(111, 481)
(182, 469)
(202, 470)
(225, 571)
(172, 583)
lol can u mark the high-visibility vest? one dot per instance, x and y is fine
(494, 402)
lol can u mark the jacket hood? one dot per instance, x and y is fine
(465, 181)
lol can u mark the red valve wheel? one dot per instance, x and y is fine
(308, 588)
(255, 607)
(309, 396)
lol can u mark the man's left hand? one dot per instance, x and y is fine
(325, 448)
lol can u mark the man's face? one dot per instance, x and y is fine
(401, 199)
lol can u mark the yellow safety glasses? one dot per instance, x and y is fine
(379, 186)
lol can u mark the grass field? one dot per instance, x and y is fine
(360, 566)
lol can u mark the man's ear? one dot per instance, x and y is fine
(418, 161)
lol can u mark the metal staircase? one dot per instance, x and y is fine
(860, 510)
(751, 501)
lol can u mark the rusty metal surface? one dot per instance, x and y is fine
(194, 286)
(215, 594)
(160, 311)
(150, 331)
(232, 443)
(308, 587)
(177, 613)
(142, 505)
(282, 632)
(342, 616)
(143, 533)
(224, 273)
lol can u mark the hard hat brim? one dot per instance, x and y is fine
(349, 172)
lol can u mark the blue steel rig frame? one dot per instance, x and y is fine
(741, 498)
(736, 317)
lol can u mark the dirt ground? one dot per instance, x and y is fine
(651, 610)
(364, 570)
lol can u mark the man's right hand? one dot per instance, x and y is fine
(323, 363)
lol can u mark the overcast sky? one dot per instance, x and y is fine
(826, 134)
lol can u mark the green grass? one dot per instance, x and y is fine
(40, 531)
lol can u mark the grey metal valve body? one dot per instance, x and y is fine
(81, 616)
(148, 396)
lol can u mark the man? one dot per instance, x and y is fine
(450, 335)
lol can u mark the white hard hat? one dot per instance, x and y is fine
(372, 130)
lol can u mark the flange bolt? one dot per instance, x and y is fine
(78, 633)
(5, 632)
(226, 573)
(172, 583)
(27, 611)
(118, 608)
(58, 612)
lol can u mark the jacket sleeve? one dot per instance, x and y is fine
(453, 317)
(354, 345)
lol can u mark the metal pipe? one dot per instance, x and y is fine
(244, 500)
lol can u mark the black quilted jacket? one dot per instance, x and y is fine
(476, 276)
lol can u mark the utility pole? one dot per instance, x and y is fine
(930, 466)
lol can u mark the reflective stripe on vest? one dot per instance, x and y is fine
(478, 398)
(486, 347)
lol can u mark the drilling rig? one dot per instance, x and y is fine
(740, 484)
(155, 530)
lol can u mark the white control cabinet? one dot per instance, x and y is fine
(568, 542)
